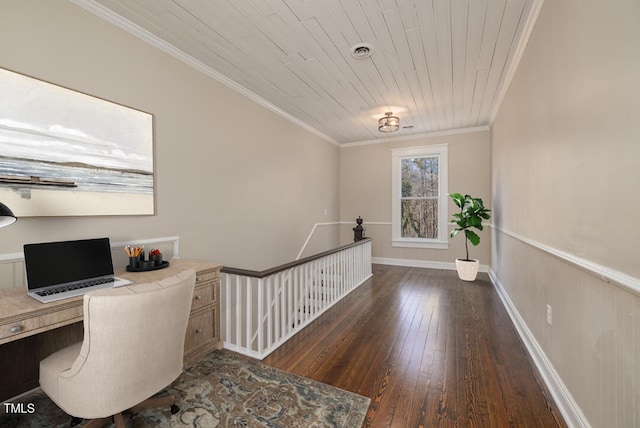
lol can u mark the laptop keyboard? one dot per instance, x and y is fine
(76, 286)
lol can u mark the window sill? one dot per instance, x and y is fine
(434, 245)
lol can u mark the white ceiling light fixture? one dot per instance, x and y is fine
(388, 123)
(361, 50)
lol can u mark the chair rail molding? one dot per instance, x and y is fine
(608, 275)
(313, 231)
(12, 264)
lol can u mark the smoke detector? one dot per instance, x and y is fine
(361, 50)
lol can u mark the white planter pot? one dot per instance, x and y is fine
(467, 269)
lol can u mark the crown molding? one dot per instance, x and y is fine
(153, 40)
(418, 136)
(536, 7)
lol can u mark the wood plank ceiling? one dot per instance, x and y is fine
(438, 64)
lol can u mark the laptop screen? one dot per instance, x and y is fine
(53, 263)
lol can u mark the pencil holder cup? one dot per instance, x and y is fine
(134, 262)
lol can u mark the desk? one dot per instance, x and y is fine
(30, 330)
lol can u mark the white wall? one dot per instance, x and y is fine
(565, 173)
(238, 184)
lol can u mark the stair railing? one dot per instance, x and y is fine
(262, 310)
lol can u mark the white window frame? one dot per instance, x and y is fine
(397, 155)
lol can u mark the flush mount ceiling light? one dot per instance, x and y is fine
(388, 123)
(361, 50)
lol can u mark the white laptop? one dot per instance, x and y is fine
(59, 270)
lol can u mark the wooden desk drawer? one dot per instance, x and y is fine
(203, 296)
(199, 330)
(44, 322)
(207, 276)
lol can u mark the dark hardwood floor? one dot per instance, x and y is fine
(428, 349)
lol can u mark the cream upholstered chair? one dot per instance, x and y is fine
(132, 348)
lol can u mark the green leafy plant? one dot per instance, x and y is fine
(472, 212)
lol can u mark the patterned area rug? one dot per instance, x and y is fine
(224, 390)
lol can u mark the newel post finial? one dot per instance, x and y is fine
(358, 231)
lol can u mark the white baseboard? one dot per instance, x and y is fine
(569, 409)
(421, 263)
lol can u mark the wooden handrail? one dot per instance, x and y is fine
(274, 270)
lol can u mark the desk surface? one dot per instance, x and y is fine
(28, 316)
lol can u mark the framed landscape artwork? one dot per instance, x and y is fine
(65, 153)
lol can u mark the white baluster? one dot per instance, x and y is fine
(277, 311)
(227, 308)
(296, 296)
(269, 321)
(239, 310)
(249, 315)
(260, 323)
(283, 303)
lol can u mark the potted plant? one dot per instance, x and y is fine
(472, 212)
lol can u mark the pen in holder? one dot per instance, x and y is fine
(136, 256)
(137, 263)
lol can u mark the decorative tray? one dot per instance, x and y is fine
(145, 269)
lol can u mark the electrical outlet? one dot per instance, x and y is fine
(549, 315)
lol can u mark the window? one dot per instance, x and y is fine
(419, 181)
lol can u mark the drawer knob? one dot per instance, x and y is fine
(16, 329)
(198, 297)
(198, 330)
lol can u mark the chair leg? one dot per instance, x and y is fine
(154, 402)
(119, 421)
(97, 423)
